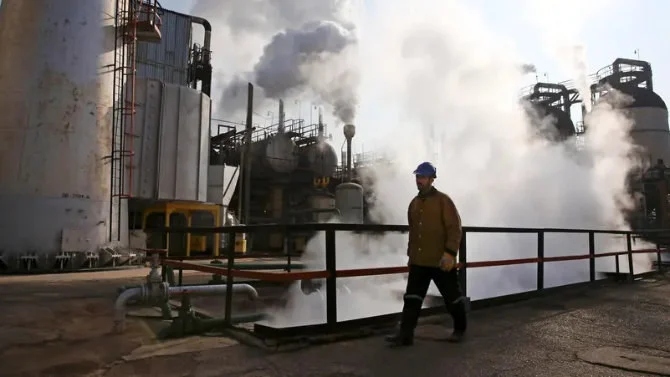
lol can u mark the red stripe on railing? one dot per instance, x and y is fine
(306, 275)
(268, 276)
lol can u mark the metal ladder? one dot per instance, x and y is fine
(119, 113)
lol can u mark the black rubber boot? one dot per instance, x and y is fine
(456, 337)
(459, 316)
(410, 316)
(400, 339)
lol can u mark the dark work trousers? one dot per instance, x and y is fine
(417, 286)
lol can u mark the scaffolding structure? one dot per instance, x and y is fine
(229, 137)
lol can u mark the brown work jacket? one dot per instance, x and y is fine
(434, 228)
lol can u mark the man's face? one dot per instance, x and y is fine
(423, 182)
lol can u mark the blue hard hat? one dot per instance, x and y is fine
(426, 169)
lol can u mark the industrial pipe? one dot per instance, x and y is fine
(207, 53)
(208, 30)
(135, 293)
(349, 133)
(211, 290)
(280, 126)
(147, 296)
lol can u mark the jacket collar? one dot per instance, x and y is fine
(428, 193)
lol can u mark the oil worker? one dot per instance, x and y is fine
(434, 238)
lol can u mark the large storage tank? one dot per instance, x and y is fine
(320, 158)
(278, 153)
(349, 200)
(171, 153)
(56, 115)
(649, 115)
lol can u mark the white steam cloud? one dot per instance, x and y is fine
(563, 40)
(457, 80)
(295, 49)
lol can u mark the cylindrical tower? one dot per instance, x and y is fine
(56, 102)
(649, 115)
(646, 110)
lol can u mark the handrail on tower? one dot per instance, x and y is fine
(622, 71)
(147, 21)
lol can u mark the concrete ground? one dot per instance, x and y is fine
(61, 326)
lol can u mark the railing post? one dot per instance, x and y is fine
(616, 265)
(592, 256)
(287, 250)
(331, 280)
(629, 248)
(230, 253)
(540, 262)
(463, 260)
(164, 271)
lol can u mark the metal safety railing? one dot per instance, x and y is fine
(331, 273)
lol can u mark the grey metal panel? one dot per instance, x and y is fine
(168, 60)
(172, 142)
(168, 143)
(205, 112)
(221, 183)
(181, 152)
(148, 93)
(188, 143)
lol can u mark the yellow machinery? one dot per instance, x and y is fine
(240, 243)
(183, 214)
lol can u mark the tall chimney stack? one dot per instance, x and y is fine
(280, 127)
(349, 132)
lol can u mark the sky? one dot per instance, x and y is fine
(619, 30)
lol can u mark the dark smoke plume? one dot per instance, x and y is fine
(311, 58)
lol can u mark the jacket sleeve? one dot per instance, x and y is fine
(409, 222)
(451, 221)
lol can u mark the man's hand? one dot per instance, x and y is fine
(448, 262)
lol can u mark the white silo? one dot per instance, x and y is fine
(56, 102)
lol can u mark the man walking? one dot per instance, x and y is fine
(434, 238)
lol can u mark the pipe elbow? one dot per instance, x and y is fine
(251, 291)
(120, 306)
(205, 24)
